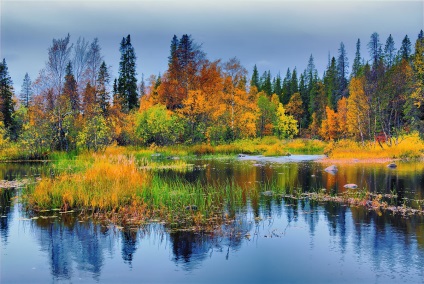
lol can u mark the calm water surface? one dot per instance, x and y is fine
(273, 240)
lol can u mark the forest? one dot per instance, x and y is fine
(74, 103)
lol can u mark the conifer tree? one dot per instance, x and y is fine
(265, 83)
(405, 49)
(127, 81)
(26, 91)
(277, 87)
(357, 64)
(254, 82)
(287, 87)
(294, 85)
(374, 47)
(389, 51)
(70, 88)
(6, 95)
(331, 83)
(103, 96)
(342, 67)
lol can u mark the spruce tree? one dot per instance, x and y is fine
(254, 82)
(374, 47)
(389, 51)
(357, 65)
(331, 83)
(265, 83)
(70, 88)
(294, 85)
(342, 67)
(277, 87)
(26, 91)
(405, 49)
(127, 81)
(6, 96)
(286, 87)
(103, 96)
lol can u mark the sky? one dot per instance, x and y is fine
(274, 35)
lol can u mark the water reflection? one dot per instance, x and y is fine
(383, 246)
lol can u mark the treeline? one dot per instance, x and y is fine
(70, 105)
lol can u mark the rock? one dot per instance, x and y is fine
(331, 169)
(191, 207)
(392, 165)
(351, 186)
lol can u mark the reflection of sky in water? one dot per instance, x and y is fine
(295, 241)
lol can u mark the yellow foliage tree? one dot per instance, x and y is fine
(329, 125)
(285, 125)
(357, 110)
(342, 117)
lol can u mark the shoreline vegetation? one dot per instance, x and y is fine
(121, 185)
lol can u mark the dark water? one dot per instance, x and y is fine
(273, 240)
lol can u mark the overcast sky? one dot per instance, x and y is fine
(274, 35)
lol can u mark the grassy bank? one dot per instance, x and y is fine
(406, 147)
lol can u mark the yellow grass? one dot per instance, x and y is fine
(106, 185)
(408, 147)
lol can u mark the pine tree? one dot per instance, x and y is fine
(6, 96)
(26, 91)
(331, 83)
(357, 65)
(127, 81)
(342, 67)
(287, 92)
(374, 47)
(70, 88)
(276, 86)
(389, 51)
(405, 49)
(254, 82)
(294, 85)
(103, 96)
(265, 83)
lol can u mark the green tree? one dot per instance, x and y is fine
(331, 83)
(405, 48)
(285, 125)
(254, 82)
(374, 47)
(158, 125)
(26, 91)
(127, 81)
(389, 51)
(95, 134)
(103, 96)
(287, 92)
(7, 105)
(357, 62)
(342, 69)
(265, 83)
(294, 83)
(70, 88)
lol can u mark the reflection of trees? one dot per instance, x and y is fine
(388, 238)
(5, 210)
(129, 245)
(68, 241)
(191, 248)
